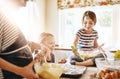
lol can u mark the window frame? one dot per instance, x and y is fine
(113, 39)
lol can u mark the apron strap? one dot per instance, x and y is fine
(11, 52)
(1, 74)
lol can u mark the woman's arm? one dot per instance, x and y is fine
(8, 66)
(34, 45)
(26, 72)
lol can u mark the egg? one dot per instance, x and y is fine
(108, 76)
(106, 71)
(101, 74)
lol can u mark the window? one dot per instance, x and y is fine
(107, 25)
(28, 19)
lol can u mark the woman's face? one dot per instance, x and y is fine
(50, 42)
(21, 3)
(88, 23)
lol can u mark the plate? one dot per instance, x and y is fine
(72, 71)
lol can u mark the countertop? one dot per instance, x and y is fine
(86, 75)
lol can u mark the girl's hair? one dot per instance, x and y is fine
(90, 14)
(44, 35)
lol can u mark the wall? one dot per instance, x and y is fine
(41, 19)
(42, 9)
(61, 54)
(52, 18)
(48, 21)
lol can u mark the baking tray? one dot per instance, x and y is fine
(72, 71)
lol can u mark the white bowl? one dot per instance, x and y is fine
(88, 54)
(101, 64)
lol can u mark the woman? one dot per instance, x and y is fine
(16, 60)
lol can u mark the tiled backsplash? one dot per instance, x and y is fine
(60, 54)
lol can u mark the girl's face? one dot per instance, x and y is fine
(88, 23)
(50, 42)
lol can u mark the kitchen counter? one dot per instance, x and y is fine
(88, 72)
(86, 75)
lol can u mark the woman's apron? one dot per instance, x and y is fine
(18, 54)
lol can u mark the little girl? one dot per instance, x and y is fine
(86, 38)
(47, 44)
(47, 47)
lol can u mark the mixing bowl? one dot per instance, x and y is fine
(48, 70)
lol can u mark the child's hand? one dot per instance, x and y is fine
(46, 51)
(74, 50)
(38, 56)
(62, 60)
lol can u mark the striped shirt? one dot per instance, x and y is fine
(86, 41)
(12, 40)
(8, 33)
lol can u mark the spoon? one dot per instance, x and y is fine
(45, 59)
(103, 53)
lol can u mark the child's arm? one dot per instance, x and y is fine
(95, 43)
(76, 41)
(46, 51)
(75, 44)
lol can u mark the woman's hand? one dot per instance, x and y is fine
(27, 72)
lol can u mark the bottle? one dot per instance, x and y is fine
(77, 54)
